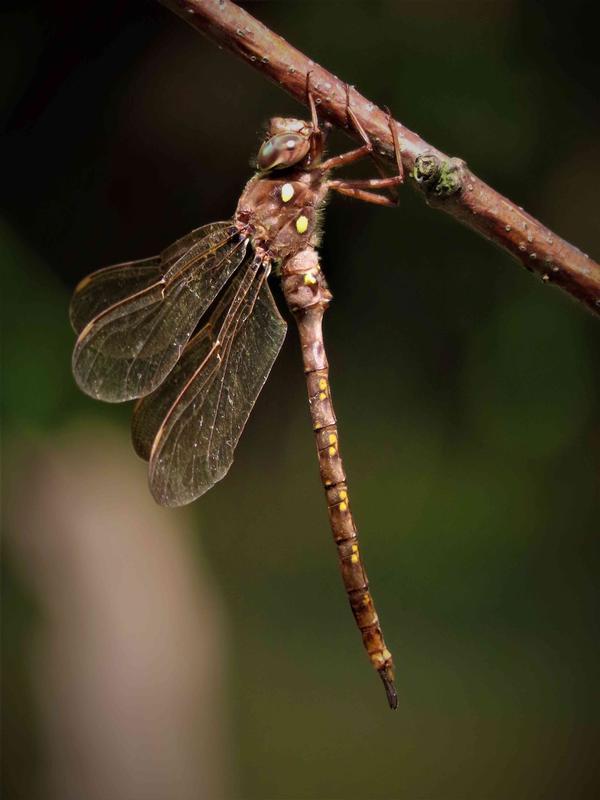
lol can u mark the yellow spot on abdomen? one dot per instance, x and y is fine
(322, 384)
(343, 506)
(287, 192)
(343, 494)
(333, 440)
(302, 224)
(354, 558)
(386, 654)
(332, 450)
(309, 279)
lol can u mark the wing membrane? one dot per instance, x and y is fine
(106, 287)
(110, 285)
(199, 414)
(129, 347)
(150, 412)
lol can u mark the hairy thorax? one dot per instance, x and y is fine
(283, 212)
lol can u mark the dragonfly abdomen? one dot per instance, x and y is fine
(307, 296)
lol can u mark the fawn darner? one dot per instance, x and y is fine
(136, 321)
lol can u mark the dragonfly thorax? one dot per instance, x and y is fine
(282, 210)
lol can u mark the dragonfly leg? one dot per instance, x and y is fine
(355, 188)
(311, 103)
(391, 182)
(365, 183)
(335, 162)
(316, 141)
(397, 148)
(346, 188)
(307, 296)
(397, 155)
(355, 122)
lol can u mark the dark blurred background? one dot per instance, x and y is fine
(161, 654)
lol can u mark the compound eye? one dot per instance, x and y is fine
(282, 150)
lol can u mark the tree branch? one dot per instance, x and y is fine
(446, 183)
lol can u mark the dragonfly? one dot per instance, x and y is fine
(192, 334)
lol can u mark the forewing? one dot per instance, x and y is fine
(127, 349)
(210, 401)
(108, 286)
(105, 287)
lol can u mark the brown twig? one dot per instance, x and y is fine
(447, 183)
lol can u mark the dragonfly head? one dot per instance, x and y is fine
(287, 143)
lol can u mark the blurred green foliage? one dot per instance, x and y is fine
(467, 393)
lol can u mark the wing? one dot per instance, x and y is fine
(150, 411)
(190, 426)
(108, 286)
(133, 338)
